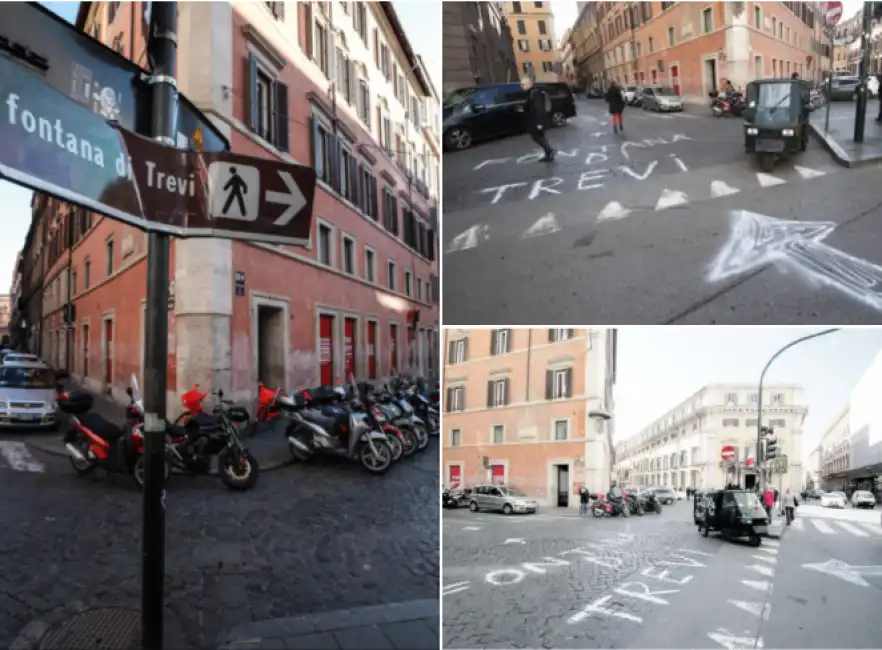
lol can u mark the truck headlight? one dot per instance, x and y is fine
(752, 131)
(787, 133)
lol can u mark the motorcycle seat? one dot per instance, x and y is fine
(100, 426)
(327, 423)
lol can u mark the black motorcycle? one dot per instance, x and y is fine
(191, 451)
(453, 499)
(650, 502)
(635, 506)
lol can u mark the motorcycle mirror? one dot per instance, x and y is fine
(130, 392)
(220, 394)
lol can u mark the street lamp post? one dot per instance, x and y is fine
(759, 405)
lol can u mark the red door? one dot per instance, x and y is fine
(326, 349)
(393, 348)
(85, 350)
(349, 348)
(675, 78)
(455, 476)
(108, 342)
(497, 474)
(655, 76)
(372, 350)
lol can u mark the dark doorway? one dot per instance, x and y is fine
(563, 486)
(749, 481)
(710, 66)
(270, 346)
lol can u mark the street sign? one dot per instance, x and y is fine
(95, 76)
(832, 13)
(54, 145)
(727, 453)
(780, 465)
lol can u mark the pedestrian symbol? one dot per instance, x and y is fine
(235, 191)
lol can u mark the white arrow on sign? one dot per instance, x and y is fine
(843, 571)
(758, 240)
(293, 198)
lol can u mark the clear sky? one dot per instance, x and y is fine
(658, 367)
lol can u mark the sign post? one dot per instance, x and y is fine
(860, 111)
(832, 14)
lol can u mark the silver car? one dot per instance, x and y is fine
(661, 99)
(501, 498)
(10, 357)
(863, 499)
(27, 396)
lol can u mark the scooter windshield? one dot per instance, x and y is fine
(136, 392)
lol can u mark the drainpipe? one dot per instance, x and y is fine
(68, 320)
(529, 354)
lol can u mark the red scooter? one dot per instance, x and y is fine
(732, 105)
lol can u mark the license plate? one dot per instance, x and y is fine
(761, 529)
(770, 145)
(28, 418)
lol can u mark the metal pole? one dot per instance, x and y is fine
(69, 322)
(759, 401)
(828, 85)
(163, 53)
(860, 114)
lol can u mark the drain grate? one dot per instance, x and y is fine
(103, 628)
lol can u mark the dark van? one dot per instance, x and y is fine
(483, 113)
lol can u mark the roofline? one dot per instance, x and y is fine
(82, 14)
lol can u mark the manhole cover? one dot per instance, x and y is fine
(103, 628)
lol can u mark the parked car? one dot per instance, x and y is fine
(680, 495)
(501, 498)
(661, 99)
(629, 93)
(27, 395)
(20, 356)
(863, 499)
(843, 88)
(473, 115)
(664, 495)
(833, 500)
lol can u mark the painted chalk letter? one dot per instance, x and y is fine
(597, 607)
(530, 158)
(539, 567)
(680, 163)
(492, 161)
(588, 556)
(640, 177)
(684, 561)
(505, 577)
(624, 148)
(500, 191)
(585, 180)
(540, 186)
(595, 156)
(646, 594)
(663, 575)
(679, 136)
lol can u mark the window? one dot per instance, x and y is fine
(457, 351)
(561, 429)
(778, 398)
(522, 27)
(277, 9)
(73, 283)
(559, 383)
(390, 211)
(670, 35)
(320, 48)
(516, 7)
(367, 193)
(547, 66)
(666, 5)
(497, 393)
(348, 255)
(455, 399)
(87, 274)
(267, 107)
(359, 21)
(730, 422)
(543, 30)
(499, 341)
(557, 335)
(527, 67)
(757, 17)
(390, 275)
(455, 437)
(651, 46)
(108, 257)
(113, 7)
(343, 81)
(498, 434)
(750, 422)
(370, 265)
(408, 283)
(523, 45)
(538, 5)
(707, 18)
(325, 245)
(731, 399)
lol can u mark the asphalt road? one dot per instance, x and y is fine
(308, 538)
(651, 582)
(670, 223)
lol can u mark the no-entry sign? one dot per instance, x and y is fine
(727, 453)
(54, 145)
(832, 13)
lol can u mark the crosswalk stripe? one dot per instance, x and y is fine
(798, 524)
(823, 527)
(854, 530)
(18, 457)
(872, 529)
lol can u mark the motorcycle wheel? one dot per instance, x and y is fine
(395, 446)
(409, 443)
(296, 453)
(766, 162)
(626, 512)
(658, 508)
(378, 463)
(243, 477)
(81, 467)
(717, 111)
(138, 472)
(434, 429)
(597, 512)
(422, 437)
(640, 510)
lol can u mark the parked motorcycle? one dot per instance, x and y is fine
(733, 105)
(94, 442)
(650, 502)
(635, 506)
(455, 498)
(193, 449)
(606, 507)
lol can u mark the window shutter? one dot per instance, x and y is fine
(375, 205)
(251, 108)
(505, 396)
(450, 353)
(508, 339)
(490, 394)
(492, 342)
(466, 352)
(318, 160)
(280, 92)
(332, 55)
(353, 180)
(571, 333)
(367, 108)
(306, 27)
(449, 402)
(569, 382)
(334, 162)
(376, 48)
(352, 90)
(549, 384)
(551, 336)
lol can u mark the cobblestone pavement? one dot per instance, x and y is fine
(309, 538)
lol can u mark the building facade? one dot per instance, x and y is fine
(531, 408)
(683, 448)
(587, 46)
(477, 45)
(834, 452)
(566, 69)
(696, 48)
(532, 29)
(274, 78)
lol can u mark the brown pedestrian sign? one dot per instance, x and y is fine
(54, 145)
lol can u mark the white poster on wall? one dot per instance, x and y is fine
(865, 405)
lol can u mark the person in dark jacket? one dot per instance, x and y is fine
(616, 106)
(583, 501)
(537, 117)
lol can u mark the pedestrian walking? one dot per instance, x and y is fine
(879, 93)
(790, 504)
(616, 102)
(768, 501)
(583, 501)
(537, 109)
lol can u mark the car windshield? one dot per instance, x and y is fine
(773, 96)
(863, 494)
(514, 492)
(457, 97)
(747, 500)
(26, 378)
(631, 89)
(662, 490)
(835, 494)
(665, 92)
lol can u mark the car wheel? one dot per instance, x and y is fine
(558, 119)
(507, 509)
(458, 138)
(473, 506)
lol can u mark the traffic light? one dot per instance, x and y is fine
(877, 10)
(771, 447)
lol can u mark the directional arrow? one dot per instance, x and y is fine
(843, 571)
(293, 198)
(613, 210)
(758, 240)
(671, 198)
(469, 238)
(734, 642)
(514, 540)
(546, 225)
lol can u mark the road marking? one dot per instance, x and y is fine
(844, 571)
(771, 542)
(798, 524)
(597, 607)
(472, 528)
(18, 457)
(823, 527)
(770, 551)
(765, 558)
(760, 610)
(469, 238)
(455, 588)
(767, 180)
(546, 225)
(613, 210)
(514, 540)
(807, 172)
(670, 199)
(720, 188)
(764, 570)
(759, 585)
(873, 529)
(734, 642)
(854, 530)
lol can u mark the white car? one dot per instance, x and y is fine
(833, 500)
(863, 499)
(680, 494)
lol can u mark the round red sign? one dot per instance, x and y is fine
(728, 453)
(832, 12)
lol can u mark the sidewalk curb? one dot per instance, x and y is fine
(836, 150)
(253, 634)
